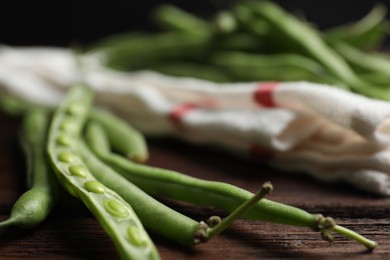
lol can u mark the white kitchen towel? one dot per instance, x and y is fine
(300, 127)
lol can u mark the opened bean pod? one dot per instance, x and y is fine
(114, 214)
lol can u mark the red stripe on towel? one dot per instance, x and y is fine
(177, 113)
(263, 94)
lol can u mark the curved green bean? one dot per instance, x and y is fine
(171, 184)
(376, 78)
(238, 41)
(15, 106)
(280, 67)
(162, 182)
(123, 138)
(366, 33)
(141, 52)
(33, 206)
(173, 18)
(355, 57)
(114, 214)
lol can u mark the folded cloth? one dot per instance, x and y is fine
(299, 127)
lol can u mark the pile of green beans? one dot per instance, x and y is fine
(257, 41)
(85, 158)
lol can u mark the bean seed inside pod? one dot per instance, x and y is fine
(67, 125)
(115, 208)
(134, 236)
(78, 170)
(66, 157)
(95, 187)
(64, 140)
(75, 109)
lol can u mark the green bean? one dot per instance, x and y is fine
(365, 34)
(251, 23)
(123, 138)
(174, 185)
(376, 78)
(15, 106)
(33, 206)
(173, 18)
(10, 105)
(144, 51)
(114, 40)
(162, 182)
(256, 67)
(114, 214)
(372, 62)
(287, 33)
(238, 41)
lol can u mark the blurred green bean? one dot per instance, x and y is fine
(256, 67)
(288, 34)
(139, 52)
(15, 106)
(172, 18)
(367, 33)
(363, 61)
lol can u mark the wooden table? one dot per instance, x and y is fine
(71, 232)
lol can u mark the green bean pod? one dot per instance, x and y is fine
(377, 78)
(141, 52)
(33, 206)
(123, 137)
(171, 184)
(366, 34)
(280, 67)
(238, 41)
(15, 106)
(114, 214)
(172, 18)
(354, 56)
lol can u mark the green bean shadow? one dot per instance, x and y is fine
(70, 231)
(269, 247)
(18, 242)
(163, 244)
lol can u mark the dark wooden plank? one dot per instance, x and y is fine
(71, 232)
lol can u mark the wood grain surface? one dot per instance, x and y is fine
(71, 232)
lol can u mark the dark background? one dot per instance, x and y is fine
(62, 23)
